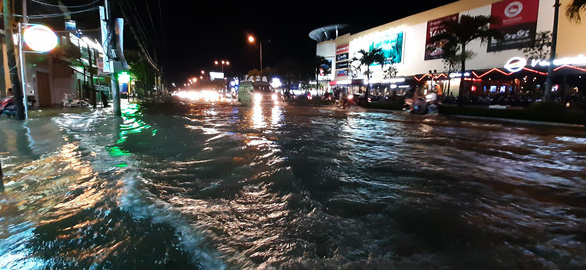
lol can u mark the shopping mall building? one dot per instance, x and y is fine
(496, 66)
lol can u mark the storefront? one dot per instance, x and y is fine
(419, 66)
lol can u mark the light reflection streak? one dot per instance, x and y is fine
(257, 116)
(276, 115)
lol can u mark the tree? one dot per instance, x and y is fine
(460, 33)
(266, 72)
(141, 71)
(540, 48)
(389, 69)
(574, 8)
(290, 70)
(320, 64)
(367, 59)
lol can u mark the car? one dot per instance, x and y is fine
(257, 92)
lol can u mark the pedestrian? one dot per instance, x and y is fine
(104, 99)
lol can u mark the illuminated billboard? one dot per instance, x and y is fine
(518, 24)
(391, 42)
(216, 75)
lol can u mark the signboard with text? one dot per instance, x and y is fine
(518, 24)
(342, 57)
(434, 50)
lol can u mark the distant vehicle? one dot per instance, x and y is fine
(256, 92)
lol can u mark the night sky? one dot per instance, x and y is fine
(192, 34)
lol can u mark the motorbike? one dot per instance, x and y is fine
(424, 105)
(8, 108)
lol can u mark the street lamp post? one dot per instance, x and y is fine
(223, 62)
(251, 39)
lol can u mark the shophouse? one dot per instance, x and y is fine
(496, 67)
(65, 72)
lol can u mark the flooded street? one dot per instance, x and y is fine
(289, 187)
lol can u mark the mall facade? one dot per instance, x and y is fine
(497, 67)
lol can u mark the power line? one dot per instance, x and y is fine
(141, 31)
(53, 5)
(55, 15)
(139, 39)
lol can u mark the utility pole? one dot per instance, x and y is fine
(1, 178)
(13, 71)
(93, 87)
(109, 37)
(554, 42)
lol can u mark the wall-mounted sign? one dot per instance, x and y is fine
(516, 64)
(342, 73)
(71, 26)
(342, 57)
(459, 74)
(343, 49)
(518, 24)
(341, 65)
(40, 38)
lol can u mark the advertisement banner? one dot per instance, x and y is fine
(434, 50)
(391, 44)
(518, 24)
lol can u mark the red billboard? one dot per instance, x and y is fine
(434, 50)
(518, 24)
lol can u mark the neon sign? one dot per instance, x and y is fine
(516, 64)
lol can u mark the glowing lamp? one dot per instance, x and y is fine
(123, 77)
(40, 38)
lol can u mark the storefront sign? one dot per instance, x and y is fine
(342, 65)
(434, 50)
(397, 80)
(518, 24)
(516, 64)
(459, 74)
(343, 49)
(342, 73)
(342, 57)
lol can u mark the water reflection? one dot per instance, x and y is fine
(257, 116)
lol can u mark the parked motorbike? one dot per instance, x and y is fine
(7, 106)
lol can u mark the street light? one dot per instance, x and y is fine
(223, 62)
(251, 39)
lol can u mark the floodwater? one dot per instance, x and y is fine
(286, 187)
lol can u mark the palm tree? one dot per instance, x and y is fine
(367, 59)
(319, 62)
(460, 33)
(574, 8)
